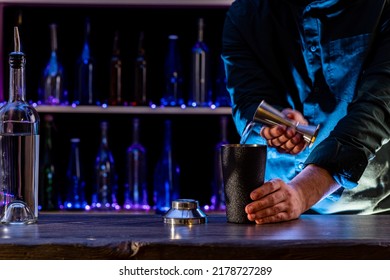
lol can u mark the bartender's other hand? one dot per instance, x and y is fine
(275, 201)
(286, 139)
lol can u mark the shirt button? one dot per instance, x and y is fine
(301, 166)
(313, 48)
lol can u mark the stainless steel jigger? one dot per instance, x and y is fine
(268, 115)
(185, 212)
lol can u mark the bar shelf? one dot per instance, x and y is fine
(196, 130)
(133, 110)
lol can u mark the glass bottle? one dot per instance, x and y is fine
(85, 90)
(173, 95)
(136, 191)
(222, 97)
(116, 97)
(201, 94)
(19, 139)
(140, 73)
(106, 186)
(52, 91)
(48, 192)
(218, 191)
(166, 175)
(75, 193)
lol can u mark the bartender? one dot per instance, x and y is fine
(325, 63)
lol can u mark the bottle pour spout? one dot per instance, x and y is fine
(16, 39)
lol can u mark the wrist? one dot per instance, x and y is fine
(313, 184)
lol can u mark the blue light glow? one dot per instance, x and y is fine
(127, 206)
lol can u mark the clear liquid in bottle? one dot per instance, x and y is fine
(48, 191)
(136, 187)
(166, 175)
(218, 191)
(106, 184)
(173, 95)
(19, 144)
(116, 97)
(75, 183)
(85, 73)
(53, 88)
(201, 94)
(140, 76)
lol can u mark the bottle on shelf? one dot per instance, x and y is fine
(217, 201)
(222, 97)
(173, 95)
(166, 175)
(116, 97)
(53, 90)
(84, 93)
(106, 187)
(19, 147)
(200, 91)
(49, 196)
(140, 76)
(75, 182)
(136, 186)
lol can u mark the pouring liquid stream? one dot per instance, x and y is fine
(247, 131)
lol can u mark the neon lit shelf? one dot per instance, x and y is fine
(142, 110)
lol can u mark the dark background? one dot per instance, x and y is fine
(194, 136)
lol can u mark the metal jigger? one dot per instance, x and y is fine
(268, 115)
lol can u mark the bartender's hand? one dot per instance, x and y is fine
(277, 201)
(286, 139)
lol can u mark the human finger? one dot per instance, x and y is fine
(272, 132)
(265, 189)
(295, 115)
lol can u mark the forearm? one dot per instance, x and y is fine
(313, 184)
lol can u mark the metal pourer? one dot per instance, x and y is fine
(16, 39)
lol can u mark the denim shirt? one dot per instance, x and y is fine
(330, 60)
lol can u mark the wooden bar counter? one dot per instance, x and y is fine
(110, 236)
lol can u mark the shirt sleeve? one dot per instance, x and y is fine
(250, 74)
(366, 127)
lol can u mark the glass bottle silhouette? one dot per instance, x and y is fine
(166, 175)
(136, 186)
(201, 94)
(218, 191)
(53, 91)
(173, 95)
(105, 175)
(85, 73)
(222, 97)
(75, 182)
(49, 196)
(116, 97)
(19, 139)
(140, 75)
